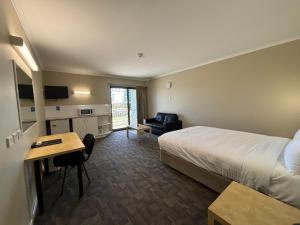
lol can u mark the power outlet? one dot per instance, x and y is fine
(9, 141)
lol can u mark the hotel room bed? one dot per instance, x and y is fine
(216, 156)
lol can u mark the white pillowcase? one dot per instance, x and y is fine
(297, 135)
(292, 156)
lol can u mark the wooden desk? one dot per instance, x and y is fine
(70, 143)
(242, 205)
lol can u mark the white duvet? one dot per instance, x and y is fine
(251, 159)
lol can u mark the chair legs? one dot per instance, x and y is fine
(64, 178)
(86, 173)
(63, 183)
(59, 174)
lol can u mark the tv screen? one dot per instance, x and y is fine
(25, 91)
(56, 92)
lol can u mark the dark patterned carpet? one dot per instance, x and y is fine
(130, 186)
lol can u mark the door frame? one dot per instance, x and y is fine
(127, 87)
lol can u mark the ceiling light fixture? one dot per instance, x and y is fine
(24, 51)
(78, 92)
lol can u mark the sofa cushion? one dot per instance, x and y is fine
(160, 117)
(156, 125)
(170, 118)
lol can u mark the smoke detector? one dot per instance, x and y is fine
(140, 55)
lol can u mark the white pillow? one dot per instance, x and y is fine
(297, 135)
(292, 156)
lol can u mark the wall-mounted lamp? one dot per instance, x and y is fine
(24, 51)
(169, 85)
(78, 92)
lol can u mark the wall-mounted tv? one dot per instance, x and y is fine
(25, 91)
(56, 92)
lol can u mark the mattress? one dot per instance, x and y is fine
(252, 159)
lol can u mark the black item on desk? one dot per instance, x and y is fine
(46, 143)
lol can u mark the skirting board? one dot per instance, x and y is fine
(210, 179)
(33, 211)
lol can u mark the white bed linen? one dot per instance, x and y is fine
(251, 159)
(284, 185)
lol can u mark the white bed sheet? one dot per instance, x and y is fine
(251, 159)
(284, 185)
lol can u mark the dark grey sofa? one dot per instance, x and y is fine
(164, 122)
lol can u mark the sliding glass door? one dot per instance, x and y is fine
(132, 107)
(124, 107)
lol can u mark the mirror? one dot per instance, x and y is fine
(25, 98)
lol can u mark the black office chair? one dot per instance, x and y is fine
(73, 158)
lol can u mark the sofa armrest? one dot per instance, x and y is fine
(150, 120)
(175, 125)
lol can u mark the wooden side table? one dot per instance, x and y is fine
(241, 205)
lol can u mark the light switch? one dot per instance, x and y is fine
(9, 141)
(19, 132)
(15, 137)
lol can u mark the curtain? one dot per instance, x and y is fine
(142, 104)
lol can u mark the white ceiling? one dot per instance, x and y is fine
(103, 36)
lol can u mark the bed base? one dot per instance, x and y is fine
(210, 179)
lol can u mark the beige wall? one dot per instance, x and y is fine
(98, 85)
(17, 190)
(257, 92)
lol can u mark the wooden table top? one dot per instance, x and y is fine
(241, 205)
(70, 143)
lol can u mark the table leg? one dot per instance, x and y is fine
(80, 184)
(211, 220)
(127, 132)
(38, 185)
(150, 132)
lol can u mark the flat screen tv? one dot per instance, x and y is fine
(25, 91)
(56, 92)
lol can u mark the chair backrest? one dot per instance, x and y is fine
(88, 142)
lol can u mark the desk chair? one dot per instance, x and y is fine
(72, 159)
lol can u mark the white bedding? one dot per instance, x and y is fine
(284, 185)
(251, 159)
